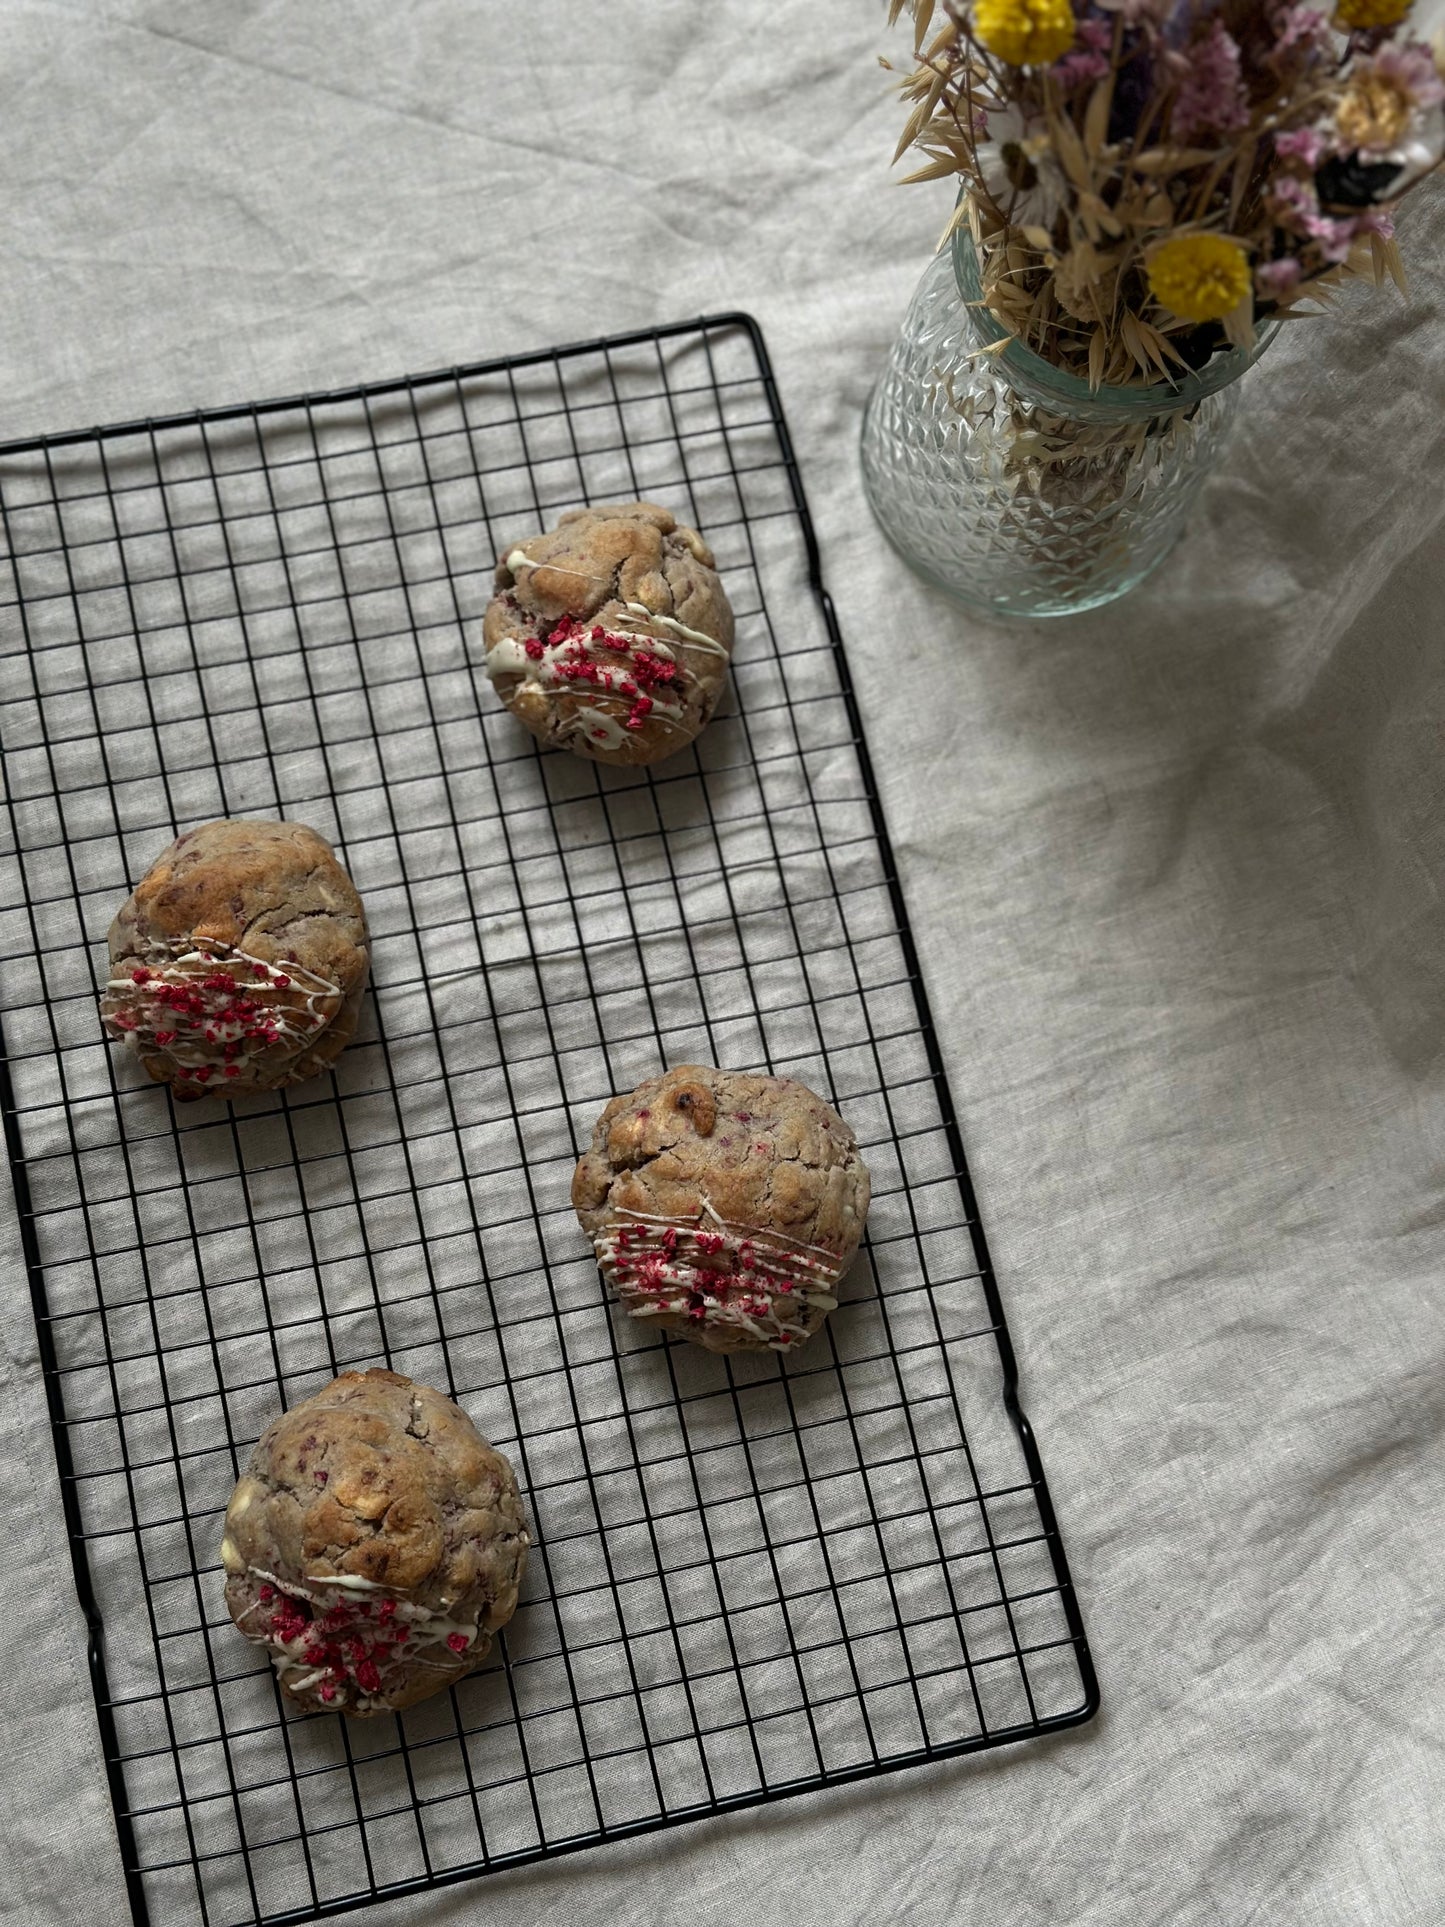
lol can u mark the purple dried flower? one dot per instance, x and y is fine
(1211, 95)
(1409, 67)
(1137, 13)
(1077, 67)
(1336, 238)
(1304, 28)
(1295, 198)
(1099, 35)
(1278, 278)
(1089, 57)
(1376, 220)
(1305, 144)
(1297, 206)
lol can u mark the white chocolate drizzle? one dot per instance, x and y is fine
(567, 666)
(205, 1006)
(517, 560)
(673, 627)
(544, 667)
(298, 1674)
(662, 1266)
(599, 725)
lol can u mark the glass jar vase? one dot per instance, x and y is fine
(1012, 485)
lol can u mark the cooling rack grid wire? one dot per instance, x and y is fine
(751, 1577)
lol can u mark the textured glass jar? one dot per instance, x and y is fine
(1012, 485)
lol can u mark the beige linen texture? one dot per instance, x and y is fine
(1173, 868)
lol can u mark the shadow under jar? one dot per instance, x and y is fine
(1013, 486)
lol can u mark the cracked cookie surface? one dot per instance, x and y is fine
(239, 962)
(610, 635)
(374, 1545)
(724, 1206)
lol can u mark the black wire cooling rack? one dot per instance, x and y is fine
(750, 1578)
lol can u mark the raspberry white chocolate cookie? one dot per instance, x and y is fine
(610, 635)
(238, 964)
(374, 1545)
(724, 1206)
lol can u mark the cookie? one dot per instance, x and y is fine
(724, 1206)
(610, 635)
(374, 1545)
(238, 964)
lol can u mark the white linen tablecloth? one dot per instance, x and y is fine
(1174, 870)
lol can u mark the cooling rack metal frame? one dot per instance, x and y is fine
(759, 1635)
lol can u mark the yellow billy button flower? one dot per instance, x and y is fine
(1364, 14)
(1030, 33)
(1199, 277)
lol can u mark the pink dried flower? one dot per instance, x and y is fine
(1335, 236)
(1276, 279)
(1138, 13)
(1089, 58)
(1408, 66)
(1078, 67)
(1211, 96)
(1295, 200)
(1297, 206)
(1302, 27)
(1305, 144)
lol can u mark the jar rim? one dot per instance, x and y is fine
(1071, 392)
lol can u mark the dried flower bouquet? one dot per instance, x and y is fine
(1148, 180)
